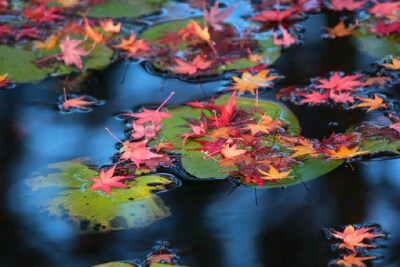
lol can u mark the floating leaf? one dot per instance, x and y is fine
(125, 8)
(65, 193)
(377, 46)
(195, 163)
(267, 49)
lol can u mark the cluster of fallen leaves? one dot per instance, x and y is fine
(135, 155)
(348, 91)
(383, 17)
(356, 241)
(257, 148)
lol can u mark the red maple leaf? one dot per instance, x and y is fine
(43, 14)
(215, 18)
(198, 131)
(26, 32)
(382, 28)
(148, 115)
(107, 180)
(274, 15)
(212, 148)
(383, 9)
(350, 5)
(71, 53)
(185, 67)
(338, 83)
(226, 114)
(314, 98)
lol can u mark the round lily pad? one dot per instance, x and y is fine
(199, 167)
(266, 47)
(377, 46)
(64, 192)
(125, 8)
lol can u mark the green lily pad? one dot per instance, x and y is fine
(194, 163)
(19, 65)
(65, 192)
(125, 8)
(377, 46)
(373, 145)
(267, 48)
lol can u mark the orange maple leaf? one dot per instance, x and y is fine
(77, 103)
(395, 65)
(107, 25)
(3, 80)
(185, 67)
(92, 33)
(371, 104)
(266, 125)
(344, 152)
(133, 45)
(353, 238)
(201, 32)
(231, 151)
(340, 30)
(353, 260)
(249, 82)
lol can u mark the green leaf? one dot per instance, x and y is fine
(374, 145)
(125, 8)
(64, 191)
(19, 65)
(268, 49)
(377, 46)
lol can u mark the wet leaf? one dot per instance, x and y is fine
(377, 46)
(267, 49)
(198, 165)
(125, 8)
(65, 193)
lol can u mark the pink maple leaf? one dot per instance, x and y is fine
(215, 17)
(338, 83)
(383, 9)
(286, 40)
(71, 53)
(137, 152)
(148, 115)
(350, 5)
(107, 180)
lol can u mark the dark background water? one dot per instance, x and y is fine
(207, 226)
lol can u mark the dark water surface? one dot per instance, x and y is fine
(207, 226)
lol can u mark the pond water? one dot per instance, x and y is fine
(212, 223)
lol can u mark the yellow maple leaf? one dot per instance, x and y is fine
(344, 152)
(68, 3)
(232, 151)
(395, 65)
(266, 125)
(249, 82)
(304, 148)
(371, 104)
(3, 77)
(274, 174)
(49, 43)
(201, 32)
